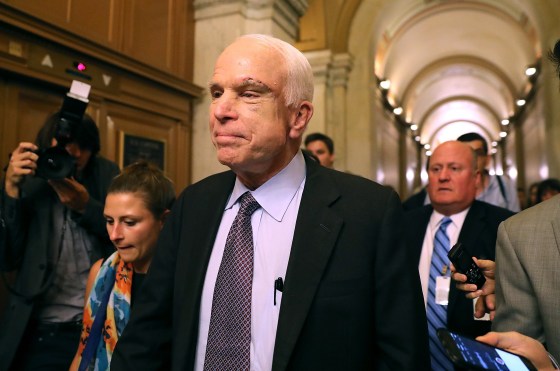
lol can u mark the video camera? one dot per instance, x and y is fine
(55, 162)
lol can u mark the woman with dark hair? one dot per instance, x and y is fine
(138, 201)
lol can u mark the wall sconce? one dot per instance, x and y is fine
(385, 84)
(530, 71)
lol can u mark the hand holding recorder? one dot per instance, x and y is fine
(475, 277)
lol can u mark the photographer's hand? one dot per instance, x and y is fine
(71, 193)
(23, 161)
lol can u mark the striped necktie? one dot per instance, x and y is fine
(437, 314)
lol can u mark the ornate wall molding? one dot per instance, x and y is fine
(285, 13)
(339, 69)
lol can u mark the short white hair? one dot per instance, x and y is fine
(299, 79)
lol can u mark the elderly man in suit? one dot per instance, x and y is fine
(453, 177)
(329, 284)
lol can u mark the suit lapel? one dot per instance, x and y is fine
(315, 236)
(418, 224)
(200, 233)
(473, 225)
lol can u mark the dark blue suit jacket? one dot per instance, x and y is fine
(478, 234)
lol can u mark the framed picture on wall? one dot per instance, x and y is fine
(135, 148)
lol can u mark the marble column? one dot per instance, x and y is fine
(331, 79)
(341, 66)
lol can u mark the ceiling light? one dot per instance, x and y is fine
(530, 71)
(494, 143)
(427, 146)
(503, 134)
(520, 102)
(505, 122)
(398, 110)
(417, 138)
(428, 153)
(385, 84)
(413, 127)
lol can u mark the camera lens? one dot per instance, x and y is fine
(55, 163)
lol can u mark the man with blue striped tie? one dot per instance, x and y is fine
(453, 215)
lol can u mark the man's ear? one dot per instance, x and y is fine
(478, 178)
(300, 119)
(487, 162)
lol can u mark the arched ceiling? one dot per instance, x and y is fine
(456, 65)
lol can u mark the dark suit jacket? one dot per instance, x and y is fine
(351, 299)
(478, 234)
(416, 200)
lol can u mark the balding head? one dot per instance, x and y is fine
(453, 177)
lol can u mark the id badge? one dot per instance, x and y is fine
(442, 290)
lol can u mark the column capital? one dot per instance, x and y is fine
(340, 67)
(285, 13)
(319, 61)
(328, 68)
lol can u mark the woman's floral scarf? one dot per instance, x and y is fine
(118, 274)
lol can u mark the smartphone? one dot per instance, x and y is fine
(464, 263)
(470, 354)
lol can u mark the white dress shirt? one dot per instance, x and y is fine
(273, 230)
(453, 230)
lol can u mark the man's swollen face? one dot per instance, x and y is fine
(249, 119)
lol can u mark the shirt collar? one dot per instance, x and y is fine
(456, 219)
(275, 195)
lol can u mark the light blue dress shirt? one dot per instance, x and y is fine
(273, 230)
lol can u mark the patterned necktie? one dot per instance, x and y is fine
(229, 336)
(437, 314)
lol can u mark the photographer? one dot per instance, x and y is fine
(55, 230)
